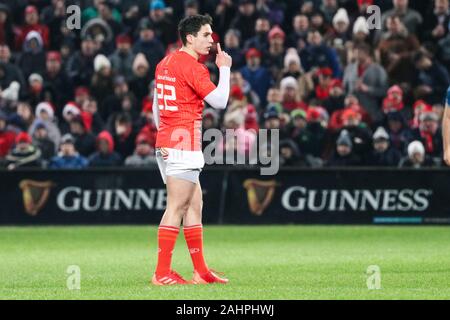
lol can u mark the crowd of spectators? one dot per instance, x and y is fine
(340, 91)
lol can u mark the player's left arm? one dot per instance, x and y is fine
(446, 128)
(218, 98)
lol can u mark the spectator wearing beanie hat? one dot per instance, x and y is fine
(43, 142)
(105, 156)
(430, 134)
(416, 157)
(258, 76)
(399, 133)
(68, 156)
(360, 30)
(141, 77)
(144, 154)
(56, 78)
(210, 119)
(36, 89)
(343, 155)
(32, 56)
(382, 154)
(290, 95)
(292, 64)
(245, 139)
(297, 128)
(325, 83)
(393, 100)
(45, 113)
(419, 107)
(102, 80)
(251, 118)
(69, 112)
(290, 154)
(360, 134)
(162, 19)
(122, 58)
(312, 143)
(336, 97)
(274, 58)
(82, 94)
(24, 154)
(339, 36)
(32, 24)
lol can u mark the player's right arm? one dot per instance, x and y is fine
(218, 98)
(155, 108)
(446, 129)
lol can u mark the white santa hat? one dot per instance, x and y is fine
(416, 147)
(35, 77)
(291, 56)
(360, 26)
(341, 16)
(44, 106)
(71, 107)
(288, 82)
(100, 62)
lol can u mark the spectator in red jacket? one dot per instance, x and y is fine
(6, 136)
(32, 24)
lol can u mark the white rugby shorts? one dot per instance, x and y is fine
(182, 164)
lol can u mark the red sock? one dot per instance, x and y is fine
(167, 236)
(194, 239)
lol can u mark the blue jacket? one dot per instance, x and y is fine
(321, 57)
(260, 80)
(75, 162)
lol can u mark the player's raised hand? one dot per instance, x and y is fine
(223, 59)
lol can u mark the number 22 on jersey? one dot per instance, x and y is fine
(167, 94)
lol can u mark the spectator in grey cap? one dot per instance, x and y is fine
(343, 155)
(68, 157)
(382, 154)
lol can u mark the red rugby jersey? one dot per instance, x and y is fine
(182, 83)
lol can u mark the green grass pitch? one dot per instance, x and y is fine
(262, 262)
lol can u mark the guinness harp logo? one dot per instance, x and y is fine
(35, 195)
(259, 194)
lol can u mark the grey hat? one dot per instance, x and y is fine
(67, 138)
(344, 139)
(381, 134)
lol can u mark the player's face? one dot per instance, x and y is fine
(203, 42)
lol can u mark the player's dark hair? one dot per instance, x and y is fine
(192, 25)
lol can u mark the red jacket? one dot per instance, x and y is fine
(6, 142)
(40, 28)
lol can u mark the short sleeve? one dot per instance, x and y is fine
(200, 81)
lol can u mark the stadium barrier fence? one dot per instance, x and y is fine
(232, 195)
